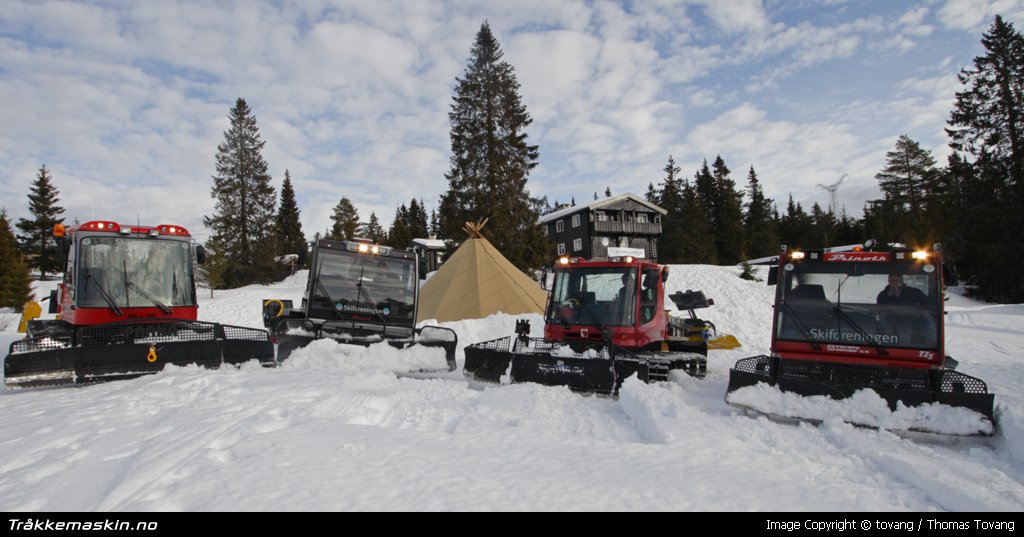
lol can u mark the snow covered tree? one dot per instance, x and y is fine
(241, 247)
(346, 221)
(288, 235)
(36, 240)
(491, 159)
(15, 283)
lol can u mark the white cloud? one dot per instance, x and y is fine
(977, 15)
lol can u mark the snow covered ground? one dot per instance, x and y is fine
(335, 429)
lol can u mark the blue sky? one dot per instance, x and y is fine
(126, 102)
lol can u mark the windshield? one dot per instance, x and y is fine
(126, 269)
(593, 296)
(878, 304)
(364, 287)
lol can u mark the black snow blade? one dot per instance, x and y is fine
(130, 349)
(911, 387)
(294, 334)
(588, 368)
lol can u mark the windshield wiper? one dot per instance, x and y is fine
(327, 295)
(786, 308)
(149, 297)
(838, 310)
(373, 305)
(110, 301)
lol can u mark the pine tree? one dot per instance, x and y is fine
(36, 240)
(987, 124)
(796, 227)
(907, 181)
(288, 235)
(372, 230)
(399, 235)
(15, 283)
(607, 191)
(417, 221)
(241, 248)
(989, 115)
(685, 235)
(435, 223)
(491, 159)
(346, 221)
(705, 195)
(727, 216)
(758, 222)
(671, 244)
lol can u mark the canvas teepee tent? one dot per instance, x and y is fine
(477, 281)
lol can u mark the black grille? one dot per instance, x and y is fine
(898, 378)
(132, 332)
(957, 382)
(43, 343)
(757, 365)
(500, 344)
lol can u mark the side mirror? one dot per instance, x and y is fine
(773, 275)
(200, 254)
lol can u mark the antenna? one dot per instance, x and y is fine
(833, 199)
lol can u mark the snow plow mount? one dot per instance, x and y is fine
(582, 366)
(293, 334)
(912, 387)
(127, 349)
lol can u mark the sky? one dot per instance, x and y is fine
(126, 102)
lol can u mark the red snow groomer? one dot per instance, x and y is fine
(605, 320)
(860, 319)
(126, 307)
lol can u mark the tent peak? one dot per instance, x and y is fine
(473, 228)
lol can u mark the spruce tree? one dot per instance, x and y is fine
(15, 283)
(727, 216)
(989, 114)
(758, 222)
(241, 247)
(372, 230)
(671, 244)
(288, 235)
(36, 240)
(491, 159)
(987, 126)
(435, 223)
(796, 227)
(417, 220)
(346, 221)
(399, 235)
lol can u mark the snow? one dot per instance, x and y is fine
(334, 428)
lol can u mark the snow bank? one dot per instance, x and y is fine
(864, 408)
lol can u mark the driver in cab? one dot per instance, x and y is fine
(896, 293)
